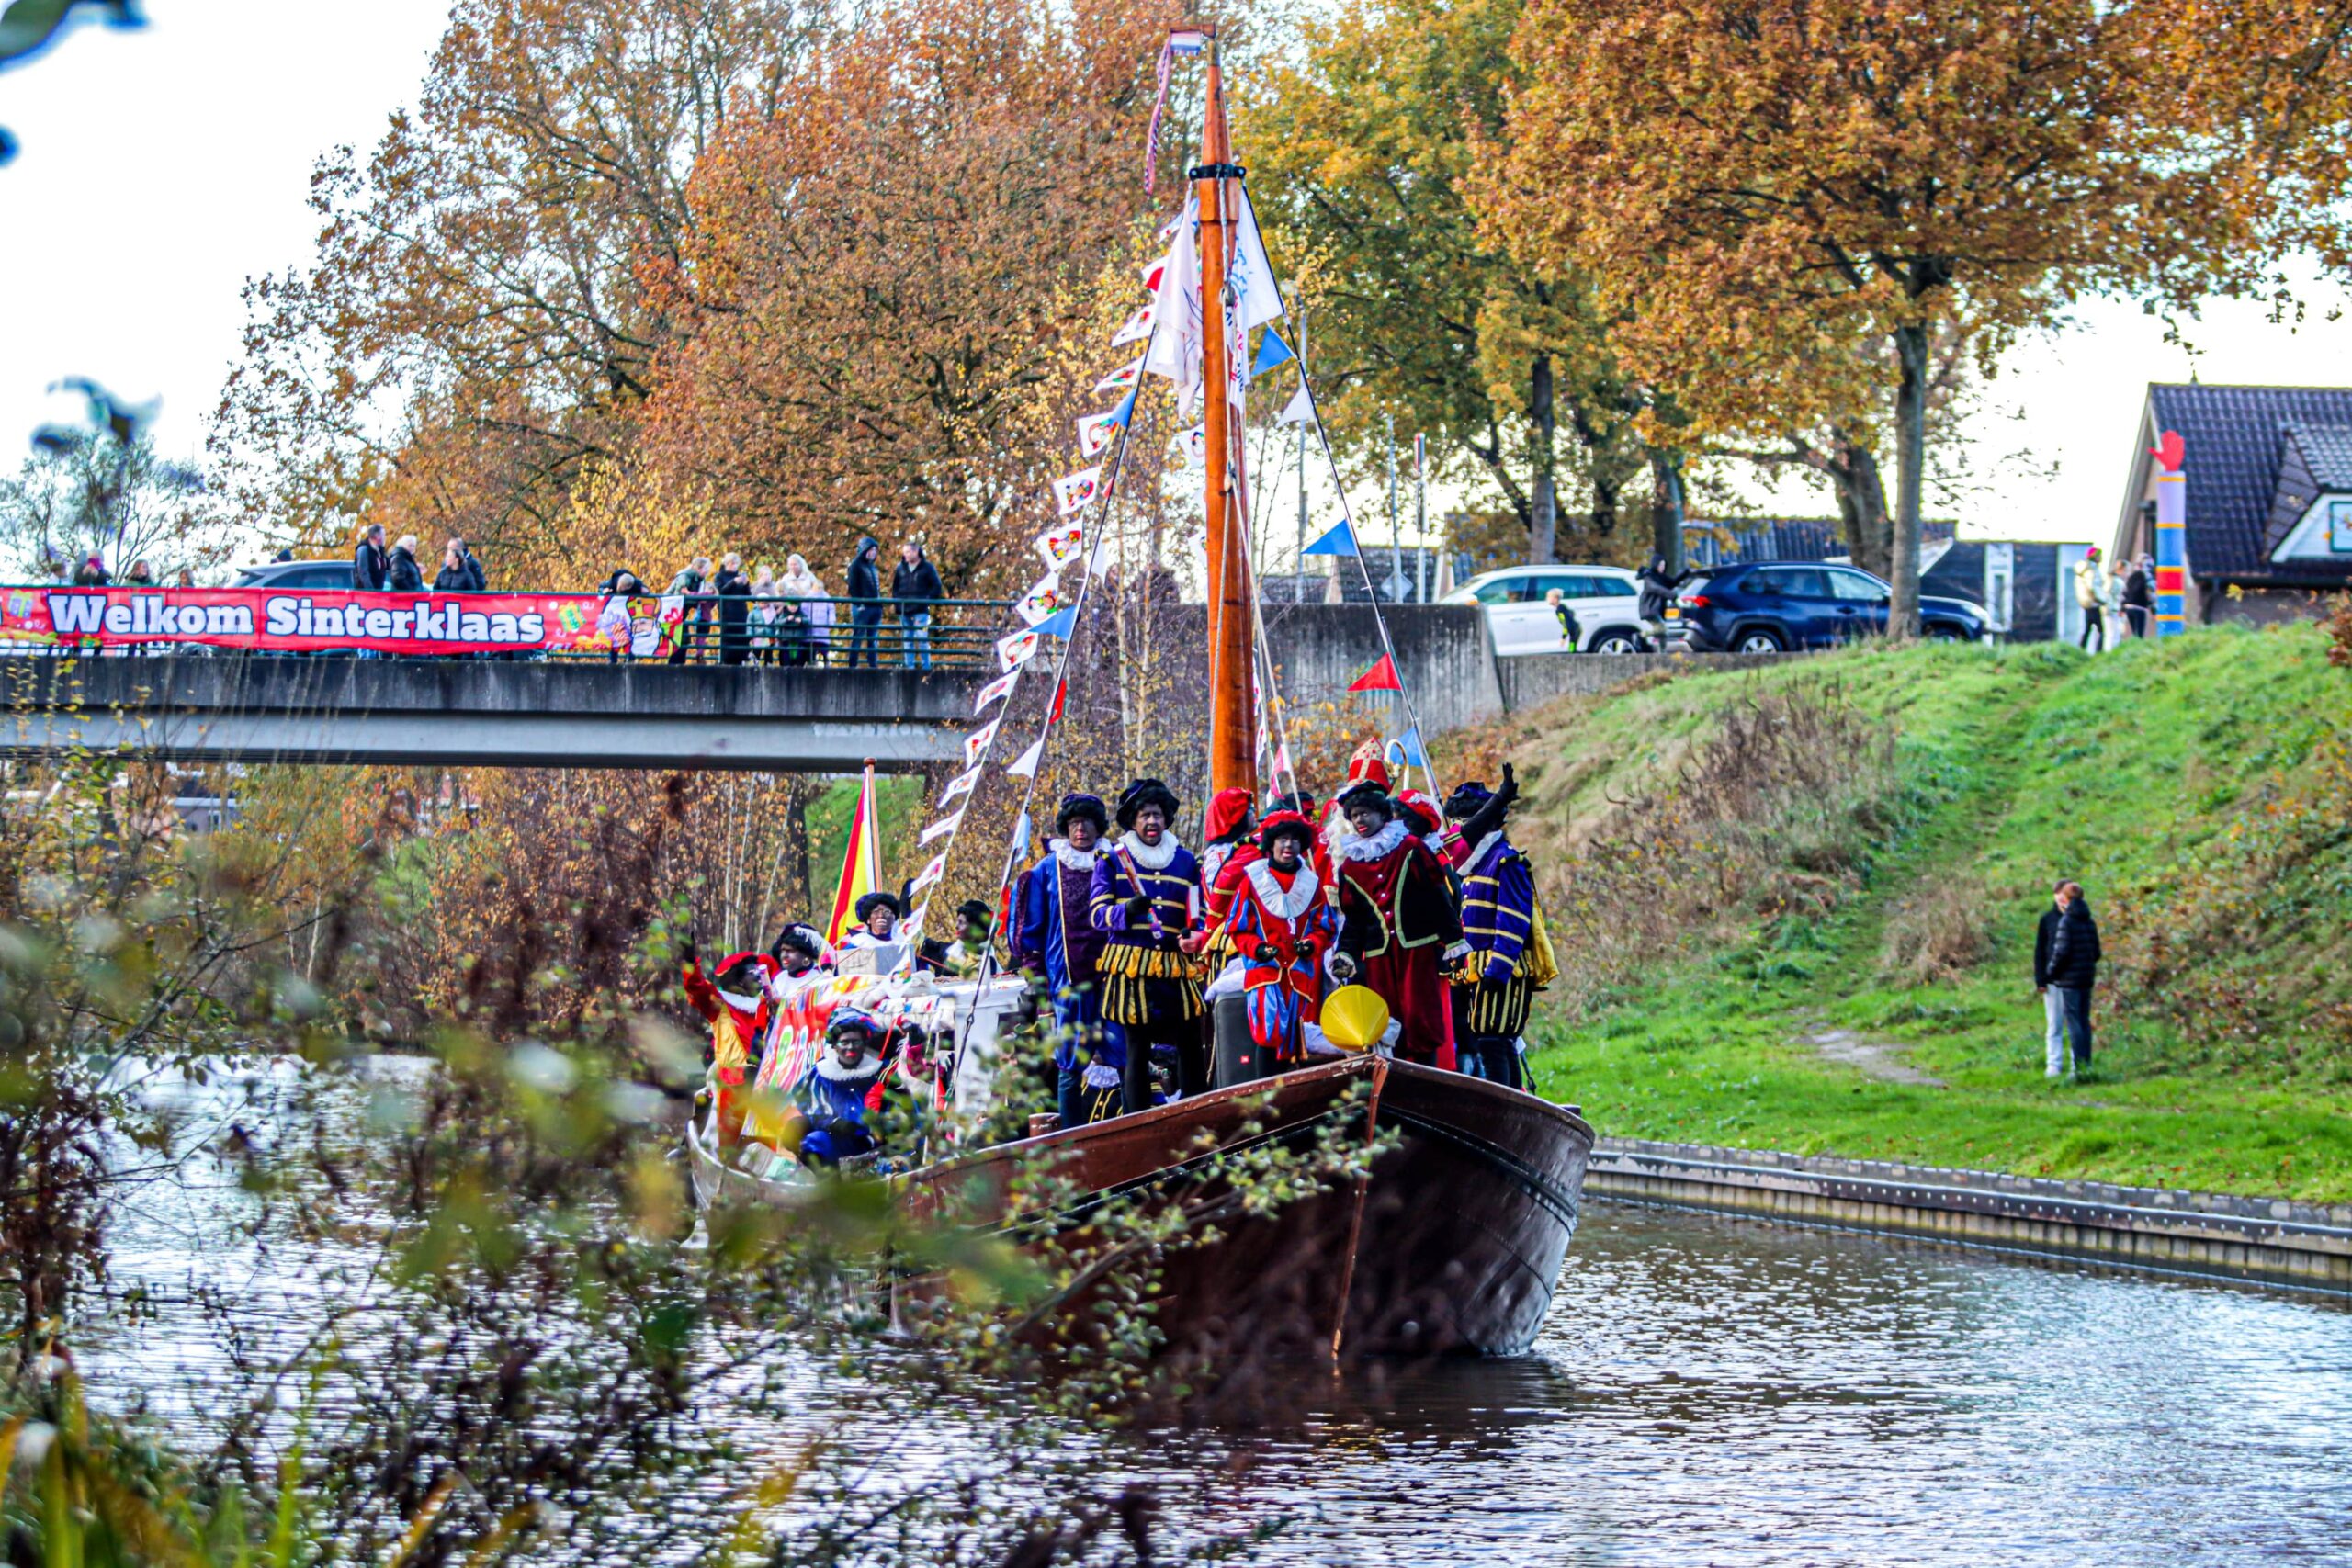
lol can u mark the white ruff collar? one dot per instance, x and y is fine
(740, 1004)
(1380, 846)
(1151, 859)
(1070, 859)
(834, 1072)
(1479, 852)
(1287, 904)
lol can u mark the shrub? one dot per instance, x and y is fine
(1939, 933)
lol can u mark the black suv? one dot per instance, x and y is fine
(1770, 606)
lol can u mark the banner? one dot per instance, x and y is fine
(317, 620)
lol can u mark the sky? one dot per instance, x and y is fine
(162, 168)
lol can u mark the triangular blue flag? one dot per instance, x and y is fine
(1340, 540)
(1271, 351)
(1411, 743)
(1058, 624)
(1127, 409)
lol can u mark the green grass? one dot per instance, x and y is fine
(2138, 774)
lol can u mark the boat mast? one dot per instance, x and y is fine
(1233, 716)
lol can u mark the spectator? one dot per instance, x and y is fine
(2066, 967)
(473, 567)
(187, 579)
(734, 591)
(801, 585)
(766, 608)
(1657, 586)
(915, 587)
(141, 575)
(407, 577)
(2139, 595)
(2090, 593)
(455, 576)
(695, 625)
(92, 574)
(866, 603)
(614, 621)
(371, 567)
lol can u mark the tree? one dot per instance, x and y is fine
(1761, 188)
(97, 488)
(476, 325)
(883, 269)
(1361, 153)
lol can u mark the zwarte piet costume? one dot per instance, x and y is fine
(1281, 925)
(1491, 987)
(1054, 940)
(739, 1021)
(1146, 899)
(1397, 922)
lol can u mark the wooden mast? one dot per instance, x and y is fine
(1233, 716)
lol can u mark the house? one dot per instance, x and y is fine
(2265, 487)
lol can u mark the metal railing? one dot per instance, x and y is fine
(836, 634)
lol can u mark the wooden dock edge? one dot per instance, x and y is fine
(2272, 1241)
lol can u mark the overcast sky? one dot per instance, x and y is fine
(161, 168)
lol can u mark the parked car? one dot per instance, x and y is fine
(1766, 607)
(297, 574)
(1600, 598)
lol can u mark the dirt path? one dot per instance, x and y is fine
(1877, 1059)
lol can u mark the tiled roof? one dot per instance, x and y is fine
(2327, 449)
(2230, 439)
(1778, 538)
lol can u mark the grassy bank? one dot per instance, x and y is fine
(1847, 967)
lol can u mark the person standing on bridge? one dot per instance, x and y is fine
(692, 584)
(805, 589)
(734, 591)
(371, 565)
(406, 577)
(915, 587)
(865, 603)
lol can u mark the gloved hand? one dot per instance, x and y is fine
(1343, 967)
(686, 953)
(1138, 911)
(1265, 952)
(1508, 791)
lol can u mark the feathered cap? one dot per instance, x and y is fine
(802, 939)
(1367, 792)
(974, 912)
(1143, 793)
(1465, 800)
(1285, 824)
(845, 1020)
(1082, 805)
(1420, 806)
(1228, 818)
(873, 901)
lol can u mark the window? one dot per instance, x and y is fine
(1792, 582)
(1854, 586)
(1612, 588)
(1502, 591)
(1535, 585)
(2339, 527)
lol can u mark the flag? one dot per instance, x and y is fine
(1300, 410)
(1095, 430)
(1155, 271)
(1174, 351)
(1381, 677)
(1271, 351)
(1045, 597)
(1252, 276)
(910, 931)
(1061, 623)
(977, 742)
(861, 866)
(1186, 40)
(944, 825)
(1339, 540)
(1420, 456)
(960, 785)
(1025, 766)
(1411, 744)
(1061, 693)
(1061, 544)
(1192, 446)
(1136, 329)
(930, 873)
(1119, 381)
(1015, 650)
(1074, 491)
(995, 691)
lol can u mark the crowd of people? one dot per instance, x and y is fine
(1132, 940)
(758, 617)
(2129, 594)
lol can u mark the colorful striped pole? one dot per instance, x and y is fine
(2172, 557)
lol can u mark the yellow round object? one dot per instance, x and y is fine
(1354, 1016)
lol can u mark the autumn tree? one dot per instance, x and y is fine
(1766, 190)
(882, 267)
(1360, 143)
(476, 326)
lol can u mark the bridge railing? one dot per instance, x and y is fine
(692, 629)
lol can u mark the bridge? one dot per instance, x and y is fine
(191, 705)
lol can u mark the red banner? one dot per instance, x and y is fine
(315, 620)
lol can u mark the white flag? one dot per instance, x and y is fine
(1025, 766)
(1061, 544)
(1014, 650)
(1136, 329)
(1072, 491)
(1254, 277)
(1045, 597)
(944, 825)
(930, 874)
(995, 691)
(1122, 378)
(960, 785)
(978, 741)
(1095, 431)
(1192, 446)
(1300, 410)
(1175, 348)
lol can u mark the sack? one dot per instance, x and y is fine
(1536, 960)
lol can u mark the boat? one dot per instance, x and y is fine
(1450, 1239)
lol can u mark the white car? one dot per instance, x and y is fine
(1602, 598)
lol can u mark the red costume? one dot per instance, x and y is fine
(1282, 926)
(739, 1021)
(1397, 921)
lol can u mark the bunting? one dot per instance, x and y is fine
(1300, 410)
(1094, 432)
(1025, 766)
(1073, 491)
(1191, 446)
(1060, 545)
(1122, 378)
(1061, 623)
(1136, 329)
(995, 691)
(1016, 650)
(1339, 540)
(1381, 677)
(944, 825)
(1271, 351)
(935, 868)
(960, 785)
(978, 741)
(1045, 597)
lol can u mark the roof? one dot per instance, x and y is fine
(1778, 538)
(2230, 438)
(2327, 449)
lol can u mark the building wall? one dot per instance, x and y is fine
(2264, 607)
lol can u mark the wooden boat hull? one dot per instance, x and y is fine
(1454, 1243)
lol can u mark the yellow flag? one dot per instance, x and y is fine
(862, 867)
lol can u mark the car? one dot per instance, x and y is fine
(1768, 606)
(1601, 599)
(329, 573)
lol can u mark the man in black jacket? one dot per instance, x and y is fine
(2066, 967)
(371, 567)
(866, 603)
(914, 586)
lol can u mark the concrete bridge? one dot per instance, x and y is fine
(251, 708)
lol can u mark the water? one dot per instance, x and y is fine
(1706, 1390)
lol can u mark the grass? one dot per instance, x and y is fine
(2185, 784)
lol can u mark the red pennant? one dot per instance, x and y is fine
(1381, 677)
(1061, 690)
